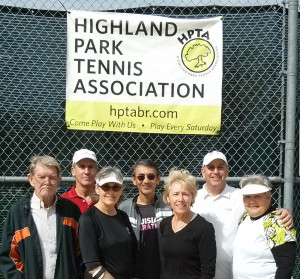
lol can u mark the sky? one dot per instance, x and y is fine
(96, 5)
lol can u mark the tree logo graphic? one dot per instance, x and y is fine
(198, 55)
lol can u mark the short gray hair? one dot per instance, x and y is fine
(259, 179)
(44, 160)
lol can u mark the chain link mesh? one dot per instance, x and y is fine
(32, 96)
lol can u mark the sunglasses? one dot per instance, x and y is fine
(150, 176)
(115, 188)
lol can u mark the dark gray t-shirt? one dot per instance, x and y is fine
(148, 260)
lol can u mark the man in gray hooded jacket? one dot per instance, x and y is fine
(145, 210)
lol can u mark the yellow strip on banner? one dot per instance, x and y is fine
(143, 118)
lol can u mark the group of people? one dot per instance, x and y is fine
(217, 231)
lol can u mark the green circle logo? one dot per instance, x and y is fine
(198, 55)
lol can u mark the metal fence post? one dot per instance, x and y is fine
(291, 104)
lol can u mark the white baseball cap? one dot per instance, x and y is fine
(251, 189)
(110, 178)
(84, 154)
(209, 157)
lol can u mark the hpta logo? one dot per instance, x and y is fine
(198, 55)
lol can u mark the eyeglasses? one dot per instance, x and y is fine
(115, 188)
(42, 180)
(150, 176)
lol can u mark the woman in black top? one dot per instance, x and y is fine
(107, 242)
(187, 240)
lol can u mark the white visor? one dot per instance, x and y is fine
(251, 189)
(109, 179)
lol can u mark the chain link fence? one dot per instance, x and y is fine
(32, 97)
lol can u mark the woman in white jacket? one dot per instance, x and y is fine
(263, 248)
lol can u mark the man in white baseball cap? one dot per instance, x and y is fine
(84, 169)
(223, 206)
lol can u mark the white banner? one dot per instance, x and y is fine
(140, 73)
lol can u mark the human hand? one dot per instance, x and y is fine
(285, 218)
(107, 275)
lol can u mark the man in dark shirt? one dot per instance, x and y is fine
(145, 210)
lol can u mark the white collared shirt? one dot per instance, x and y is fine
(224, 211)
(45, 221)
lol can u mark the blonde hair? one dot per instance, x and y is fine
(185, 178)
